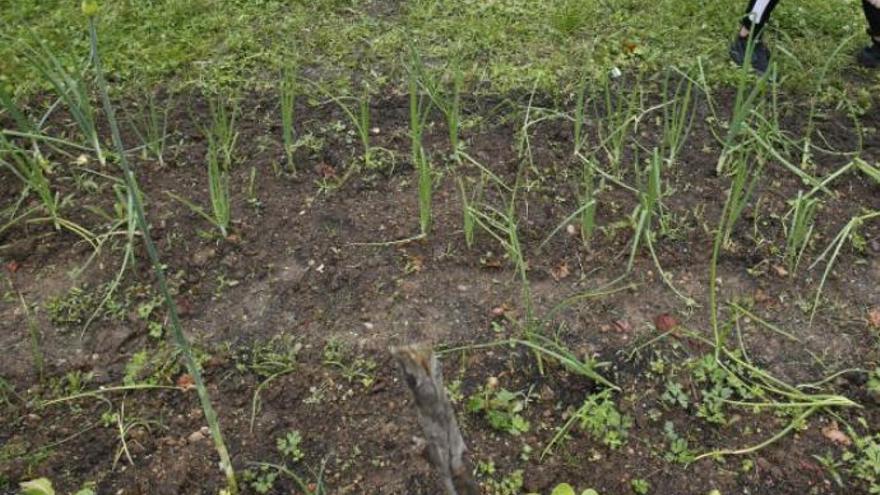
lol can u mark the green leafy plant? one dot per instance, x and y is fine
(675, 395)
(353, 368)
(566, 489)
(510, 484)
(500, 407)
(864, 458)
(599, 417)
(640, 486)
(678, 450)
(290, 446)
(261, 479)
(39, 486)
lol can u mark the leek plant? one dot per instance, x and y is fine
(90, 9)
(288, 89)
(152, 127)
(419, 109)
(800, 229)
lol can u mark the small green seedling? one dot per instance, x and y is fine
(501, 408)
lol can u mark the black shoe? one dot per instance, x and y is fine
(870, 56)
(760, 54)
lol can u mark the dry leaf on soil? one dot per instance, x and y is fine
(833, 433)
(874, 318)
(665, 322)
(186, 382)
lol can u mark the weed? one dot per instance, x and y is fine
(80, 302)
(864, 459)
(599, 417)
(640, 486)
(290, 446)
(39, 486)
(359, 118)
(156, 366)
(353, 368)
(124, 425)
(500, 407)
(262, 479)
(510, 484)
(675, 395)
(847, 233)
(35, 337)
(678, 450)
(566, 489)
(569, 17)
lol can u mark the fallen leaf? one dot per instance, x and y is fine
(499, 311)
(560, 272)
(762, 297)
(833, 433)
(325, 170)
(12, 266)
(186, 382)
(665, 322)
(623, 326)
(780, 270)
(414, 263)
(874, 317)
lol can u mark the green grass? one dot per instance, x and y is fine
(512, 43)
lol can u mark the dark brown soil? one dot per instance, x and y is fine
(300, 264)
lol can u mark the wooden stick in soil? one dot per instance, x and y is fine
(445, 446)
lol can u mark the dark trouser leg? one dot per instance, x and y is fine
(872, 13)
(758, 13)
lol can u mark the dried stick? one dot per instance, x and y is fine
(445, 446)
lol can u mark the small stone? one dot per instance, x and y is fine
(547, 393)
(202, 256)
(195, 437)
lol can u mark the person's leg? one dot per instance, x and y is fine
(870, 56)
(757, 15)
